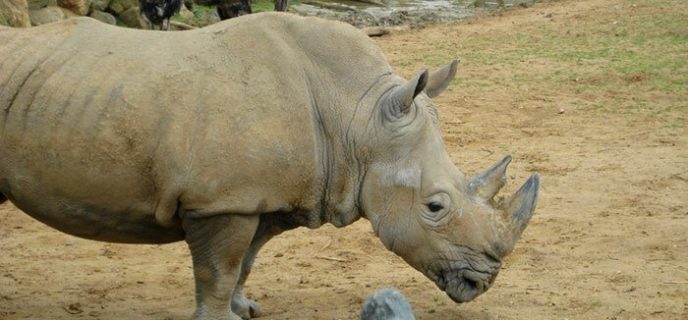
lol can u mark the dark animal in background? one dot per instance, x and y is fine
(157, 11)
(228, 9)
(387, 304)
(189, 4)
(280, 5)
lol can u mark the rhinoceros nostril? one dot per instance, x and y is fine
(474, 283)
(471, 284)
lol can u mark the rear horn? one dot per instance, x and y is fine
(487, 184)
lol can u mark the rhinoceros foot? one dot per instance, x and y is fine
(245, 307)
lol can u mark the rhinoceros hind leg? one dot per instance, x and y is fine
(2, 198)
(217, 246)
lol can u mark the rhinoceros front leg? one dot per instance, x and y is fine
(241, 305)
(217, 245)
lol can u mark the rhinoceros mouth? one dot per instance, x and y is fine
(464, 284)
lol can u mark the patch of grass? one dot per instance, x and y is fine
(262, 6)
(437, 60)
(633, 62)
(202, 15)
(181, 19)
(651, 44)
(473, 82)
(266, 5)
(595, 304)
(458, 81)
(201, 11)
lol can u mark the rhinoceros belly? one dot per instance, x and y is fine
(92, 221)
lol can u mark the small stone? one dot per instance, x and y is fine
(119, 6)
(387, 304)
(100, 5)
(79, 7)
(74, 308)
(561, 111)
(103, 17)
(46, 15)
(131, 18)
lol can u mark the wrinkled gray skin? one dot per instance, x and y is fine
(228, 135)
(387, 304)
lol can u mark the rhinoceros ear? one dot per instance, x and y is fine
(441, 78)
(399, 101)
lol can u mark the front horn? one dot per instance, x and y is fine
(520, 206)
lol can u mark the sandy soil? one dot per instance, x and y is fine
(574, 90)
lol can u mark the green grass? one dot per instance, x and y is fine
(201, 16)
(262, 6)
(653, 46)
(633, 63)
(201, 11)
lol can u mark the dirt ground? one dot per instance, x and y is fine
(592, 94)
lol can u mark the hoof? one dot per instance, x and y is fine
(245, 307)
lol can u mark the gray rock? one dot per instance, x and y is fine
(69, 13)
(131, 18)
(100, 5)
(387, 304)
(46, 15)
(103, 16)
(80, 7)
(119, 6)
(14, 13)
(38, 4)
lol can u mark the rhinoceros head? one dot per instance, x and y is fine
(423, 208)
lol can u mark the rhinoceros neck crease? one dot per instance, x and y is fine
(323, 155)
(337, 117)
(338, 164)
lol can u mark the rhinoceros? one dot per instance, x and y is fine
(228, 135)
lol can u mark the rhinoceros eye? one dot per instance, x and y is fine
(434, 206)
